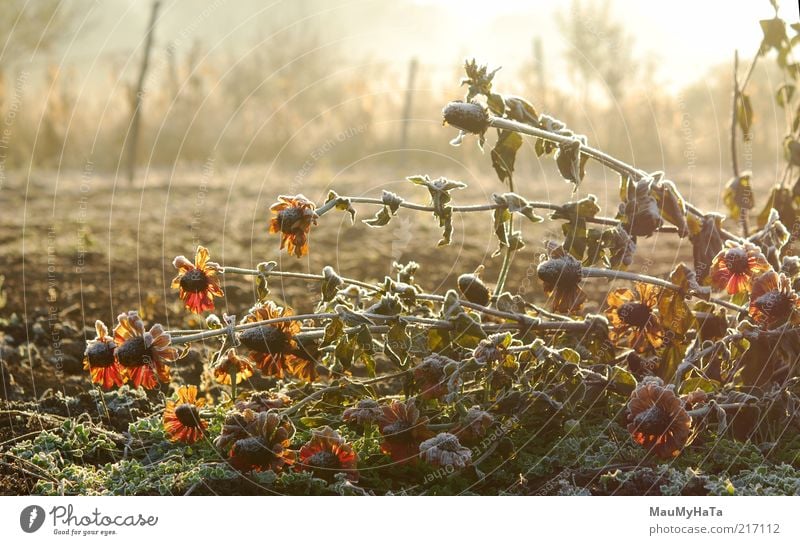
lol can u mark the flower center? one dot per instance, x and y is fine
(100, 354)
(194, 281)
(134, 353)
(635, 314)
(736, 261)
(323, 459)
(188, 415)
(252, 452)
(288, 217)
(266, 339)
(653, 421)
(561, 272)
(775, 305)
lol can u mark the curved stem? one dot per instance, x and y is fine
(592, 272)
(601, 157)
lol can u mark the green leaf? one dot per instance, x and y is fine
(342, 203)
(571, 162)
(744, 115)
(673, 309)
(330, 283)
(504, 154)
(774, 34)
(515, 203)
(585, 208)
(784, 94)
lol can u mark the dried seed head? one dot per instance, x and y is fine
(467, 116)
(562, 272)
(266, 339)
(473, 289)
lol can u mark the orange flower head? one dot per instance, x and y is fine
(327, 453)
(293, 218)
(561, 276)
(365, 412)
(632, 318)
(143, 354)
(474, 426)
(182, 420)
(430, 377)
(657, 419)
(233, 364)
(735, 266)
(273, 347)
(773, 302)
(198, 283)
(260, 402)
(99, 359)
(403, 430)
(257, 441)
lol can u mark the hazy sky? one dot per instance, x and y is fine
(683, 38)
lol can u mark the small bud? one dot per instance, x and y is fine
(473, 289)
(467, 116)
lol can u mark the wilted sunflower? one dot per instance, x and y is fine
(182, 420)
(261, 402)
(143, 354)
(99, 359)
(327, 453)
(561, 277)
(365, 412)
(293, 219)
(657, 419)
(474, 426)
(403, 430)
(273, 347)
(258, 441)
(735, 266)
(772, 301)
(444, 450)
(233, 364)
(632, 318)
(430, 378)
(198, 283)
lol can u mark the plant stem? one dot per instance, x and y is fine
(603, 158)
(592, 272)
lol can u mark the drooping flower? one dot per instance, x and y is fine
(260, 402)
(143, 354)
(198, 282)
(293, 218)
(233, 364)
(182, 420)
(657, 419)
(327, 453)
(273, 346)
(773, 301)
(99, 359)
(734, 268)
(403, 430)
(367, 411)
(474, 425)
(257, 441)
(430, 377)
(444, 450)
(561, 277)
(632, 318)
